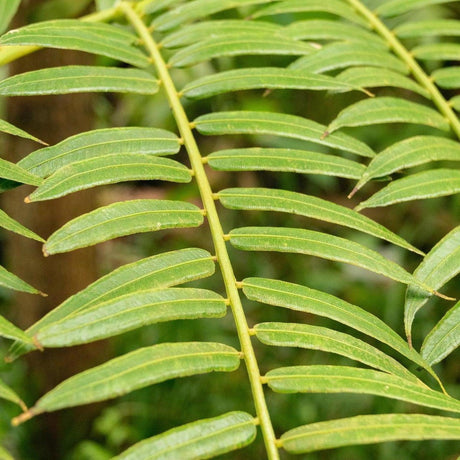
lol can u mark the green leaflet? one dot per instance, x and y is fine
(438, 52)
(194, 33)
(443, 338)
(8, 128)
(197, 9)
(426, 184)
(369, 429)
(345, 54)
(323, 29)
(302, 298)
(7, 10)
(440, 27)
(92, 37)
(324, 339)
(139, 369)
(277, 124)
(77, 79)
(109, 169)
(291, 160)
(395, 7)
(285, 201)
(301, 241)
(152, 6)
(119, 219)
(11, 281)
(100, 142)
(14, 226)
(336, 7)
(438, 266)
(4, 455)
(455, 103)
(155, 272)
(448, 77)
(13, 172)
(344, 379)
(7, 393)
(410, 152)
(10, 331)
(204, 438)
(261, 77)
(371, 77)
(387, 110)
(131, 311)
(238, 44)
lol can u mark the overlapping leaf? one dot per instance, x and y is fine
(7, 10)
(439, 27)
(438, 52)
(448, 77)
(13, 172)
(395, 7)
(10, 331)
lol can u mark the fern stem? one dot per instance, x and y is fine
(404, 54)
(216, 229)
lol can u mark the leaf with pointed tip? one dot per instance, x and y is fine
(8, 9)
(371, 77)
(91, 37)
(100, 142)
(13, 172)
(443, 338)
(7, 393)
(8, 128)
(369, 429)
(12, 225)
(336, 7)
(264, 199)
(79, 79)
(261, 77)
(238, 44)
(138, 369)
(196, 9)
(426, 184)
(344, 379)
(204, 438)
(155, 272)
(10, 331)
(194, 33)
(291, 160)
(123, 218)
(387, 110)
(439, 266)
(129, 312)
(395, 7)
(11, 281)
(324, 29)
(437, 52)
(410, 152)
(109, 169)
(345, 54)
(449, 77)
(324, 339)
(304, 299)
(439, 27)
(301, 241)
(277, 124)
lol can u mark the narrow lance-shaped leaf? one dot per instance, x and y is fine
(155, 272)
(277, 124)
(304, 299)
(123, 218)
(7, 10)
(437, 52)
(426, 184)
(130, 312)
(8, 128)
(439, 266)
(299, 240)
(136, 370)
(9, 223)
(11, 281)
(12, 171)
(410, 152)
(7, 393)
(344, 379)
(204, 438)
(109, 169)
(77, 79)
(369, 429)
(288, 160)
(10, 331)
(387, 110)
(395, 7)
(439, 27)
(324, 339)
(265, 199)
(443, 338)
